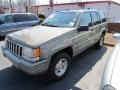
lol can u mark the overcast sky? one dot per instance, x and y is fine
(66, 1)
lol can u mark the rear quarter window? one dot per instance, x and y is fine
(32, 17)
(102, 17)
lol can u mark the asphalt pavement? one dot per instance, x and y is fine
(85, 73)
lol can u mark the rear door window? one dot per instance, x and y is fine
(95, 18)
(98, 16)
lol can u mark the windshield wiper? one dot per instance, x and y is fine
(52, 26)
(46, 24)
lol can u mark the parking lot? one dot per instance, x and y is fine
(85, 73)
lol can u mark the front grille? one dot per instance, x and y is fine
(14, 48)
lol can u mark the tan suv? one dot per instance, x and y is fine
(50, 46)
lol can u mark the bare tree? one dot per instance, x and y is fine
(4, 3)
(1, 3)
(26, 3)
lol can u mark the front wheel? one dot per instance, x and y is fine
(59, 66)
(100, 43)
(2, 37)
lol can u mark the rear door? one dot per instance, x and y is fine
(96, 27)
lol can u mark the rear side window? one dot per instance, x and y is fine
(102, 17)
(85, 19)
(95, 18)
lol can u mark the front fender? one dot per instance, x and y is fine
(49, 49)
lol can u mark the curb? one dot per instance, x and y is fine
(109, 44)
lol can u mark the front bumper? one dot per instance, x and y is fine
(26, 66)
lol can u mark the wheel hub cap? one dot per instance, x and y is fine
(101, 42)
(61, 67)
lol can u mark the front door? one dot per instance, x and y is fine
(82, 38)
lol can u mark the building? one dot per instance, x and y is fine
(1, 11)
(110, 8)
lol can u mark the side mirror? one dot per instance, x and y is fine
(83, 28)
(90, 24)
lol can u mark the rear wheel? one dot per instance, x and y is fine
(59, 66)
(100, 43)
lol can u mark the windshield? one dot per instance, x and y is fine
(61, 19)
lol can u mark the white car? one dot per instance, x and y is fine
(111, 75)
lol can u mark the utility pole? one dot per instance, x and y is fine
(51, 5)
(10, 2)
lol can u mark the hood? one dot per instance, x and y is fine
(115, 79)
(38, 34)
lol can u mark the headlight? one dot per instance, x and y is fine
(108, 87)
(31, 54)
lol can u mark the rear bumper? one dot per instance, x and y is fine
(28, 67)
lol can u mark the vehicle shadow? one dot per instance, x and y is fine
(13, 79)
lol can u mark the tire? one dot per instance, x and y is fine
(100, 43)
(59, 66)
(2, 37)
